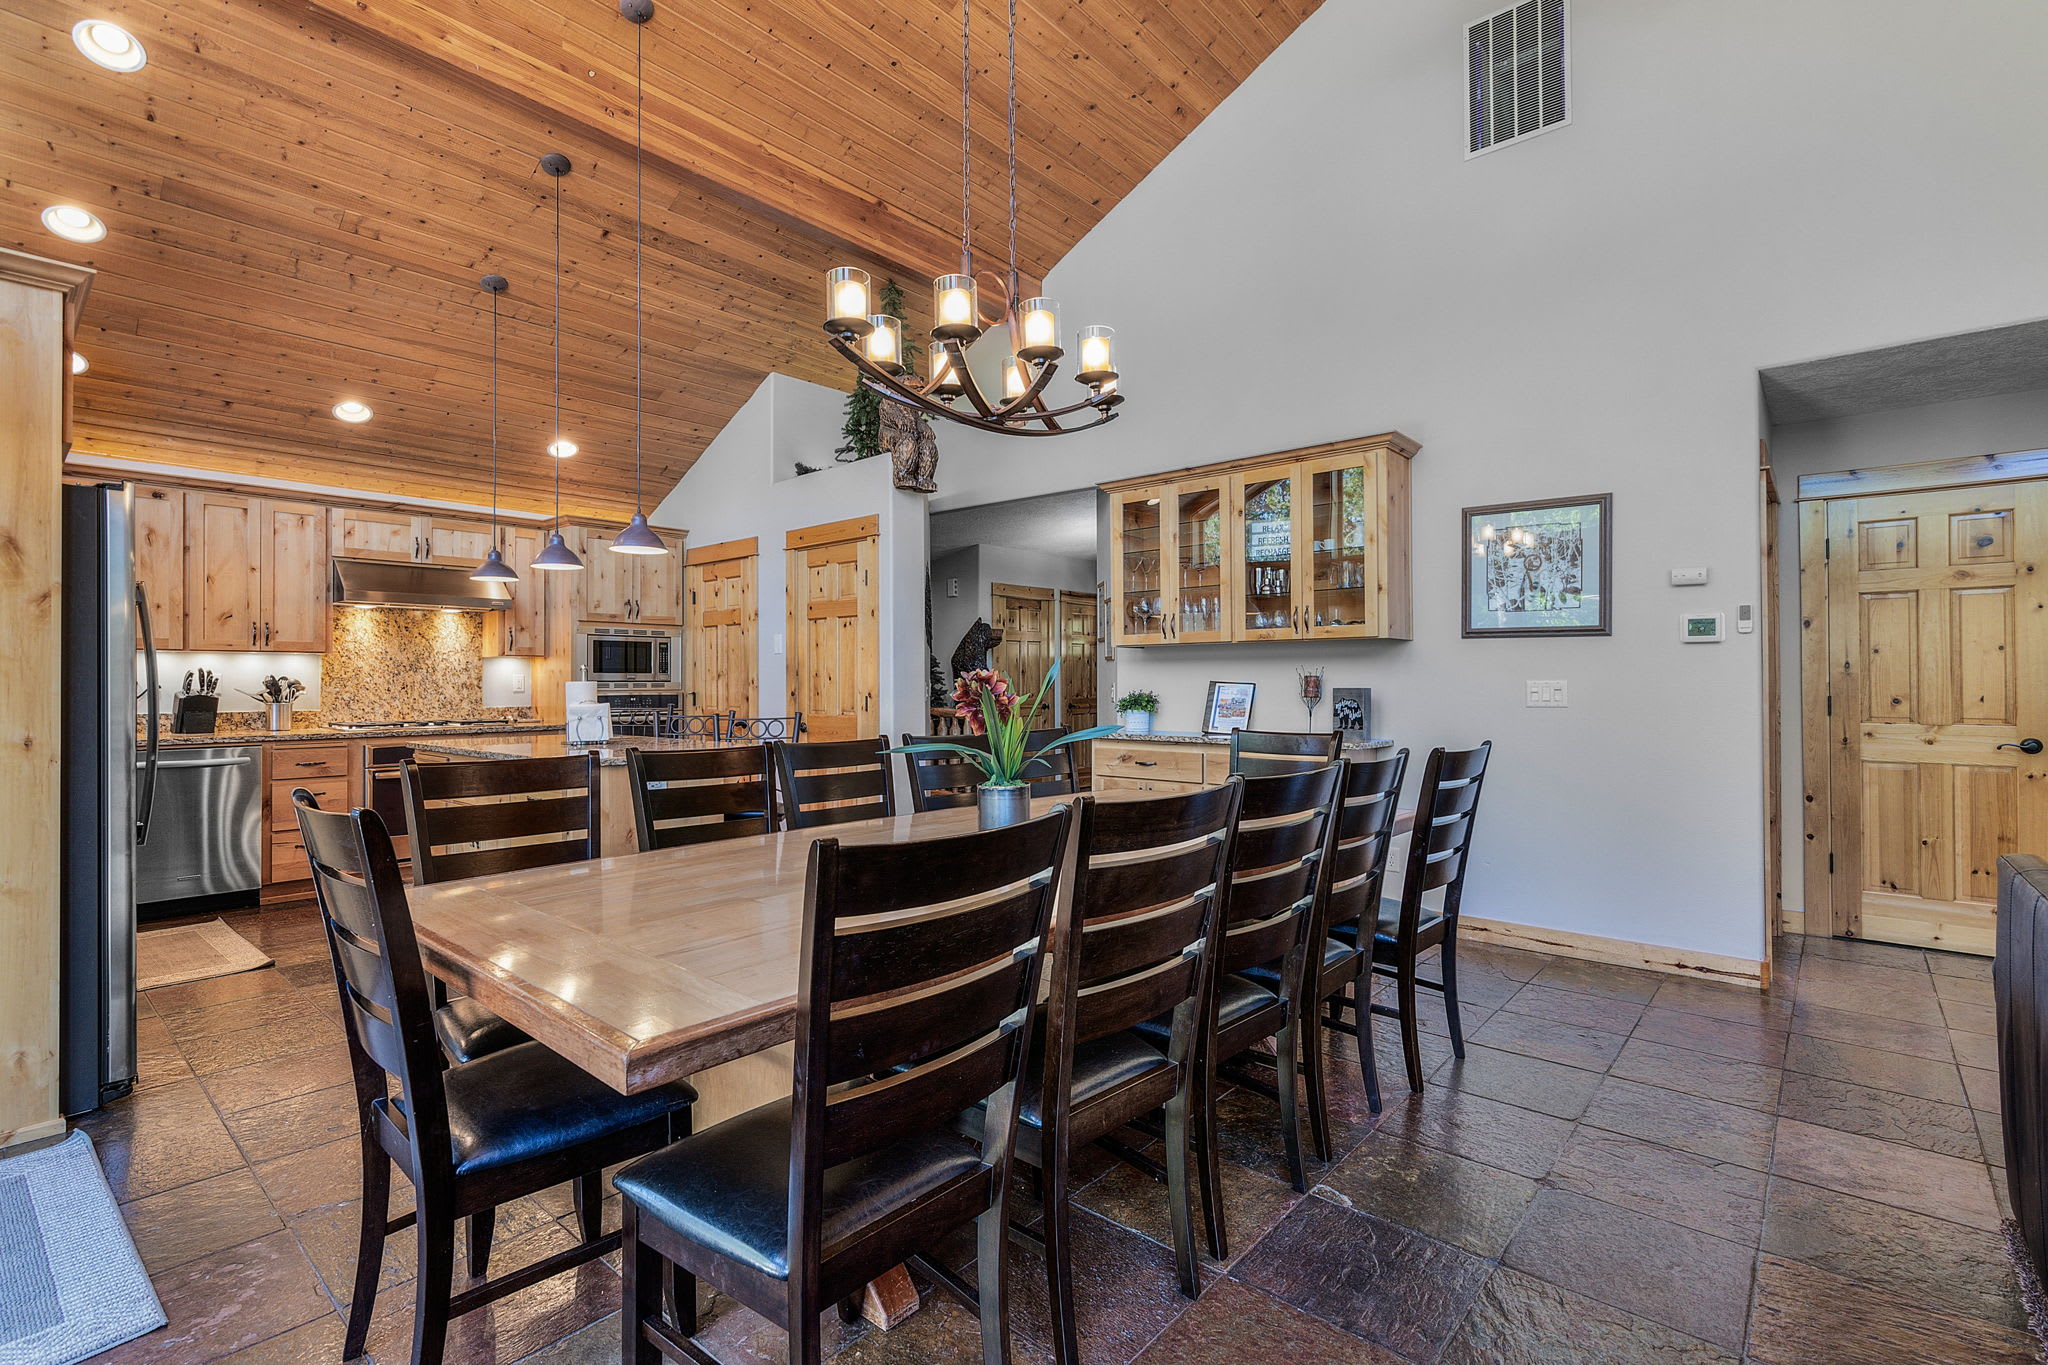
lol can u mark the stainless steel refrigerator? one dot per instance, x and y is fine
(109, 787)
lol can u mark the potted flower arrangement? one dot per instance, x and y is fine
(984, 700)
(1136, 709)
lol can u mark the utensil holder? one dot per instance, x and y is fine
(280, 717)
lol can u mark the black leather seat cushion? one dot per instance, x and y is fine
(1101, 1066)
(1388, 929)
(525, 1102)
(468, 1031)
(1237, 1000)
(1335, 954)
(727, 1188)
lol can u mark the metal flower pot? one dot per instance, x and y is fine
(1002, 806)
(1136, 722)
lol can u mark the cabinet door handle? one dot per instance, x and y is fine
(1148, 762)
(252, 635)
(266, 632)
(417, 552)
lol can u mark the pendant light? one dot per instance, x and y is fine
(638, 538)
(494, 569)
(556, 554)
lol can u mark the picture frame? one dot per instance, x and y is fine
(1351, 710)
(1542, 567)
(1228, 708)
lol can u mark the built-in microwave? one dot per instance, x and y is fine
(646, 658)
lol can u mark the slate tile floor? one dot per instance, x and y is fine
(1627, 1167)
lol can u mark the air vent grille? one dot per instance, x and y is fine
(1516, 71)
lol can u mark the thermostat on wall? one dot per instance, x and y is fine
(1702, 628)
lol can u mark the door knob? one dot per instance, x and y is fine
(2025, 746)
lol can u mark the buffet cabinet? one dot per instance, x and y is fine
(1307, 544)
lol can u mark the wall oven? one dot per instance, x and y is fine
(637, 657)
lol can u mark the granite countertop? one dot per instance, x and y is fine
(611, 755)
(330, 735)
(1196, 737)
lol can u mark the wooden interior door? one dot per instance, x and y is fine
(719, 627)
(835, 645)
(1025, 616)
(1077, 670)
(1937, 673)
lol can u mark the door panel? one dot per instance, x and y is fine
(1077, 617)
(835, 643)
(160, 561)
(455, 544)
(719, 632)
(223, 564)
(604, 590)
(525, 623)
(1024, 615)
(1937, 657)
(360, 533)
(657, 592)
(295, 575)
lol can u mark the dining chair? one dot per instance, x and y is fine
(1268, 913)
(832, 782)
(1348, 893)
(470, 1137)
(940, 781)
(1406, 927)
(1264, 753)
(1133, 943)
(693, 796)
(920, 966)
(460, 815)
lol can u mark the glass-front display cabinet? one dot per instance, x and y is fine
(1198, 610)
(1137, 546)
(1339, 568)
(1267, 524)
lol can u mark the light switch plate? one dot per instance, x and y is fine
(778, 642)
(1688, 578)
(1547, 692)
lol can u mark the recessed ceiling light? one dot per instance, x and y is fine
(73, 224)
(561, 450)
(109, 45)
(79, 364)
(352, 411)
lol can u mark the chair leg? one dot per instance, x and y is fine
(992, 1266)
(1452, 1018)
(1059, 1261)
(481, 1226)
(1183, 1214)
(1210, 1171)
(1411, 1037)
(1287, 1052)
(640, 1271)
(590, 1205)
(1316, 1085)
(376, 1212)
(435, 1283)
(1368, 1060)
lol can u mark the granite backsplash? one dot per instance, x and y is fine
(409, 664)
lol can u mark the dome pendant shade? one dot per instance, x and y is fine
(494, 569)
(638, 538)
(557, 555)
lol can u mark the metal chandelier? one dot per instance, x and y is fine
(874, 341)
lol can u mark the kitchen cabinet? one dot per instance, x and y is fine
(160, 562)
(641, 590)
(521, 630)
(255, 573)
(409, 538)
(1302, 544)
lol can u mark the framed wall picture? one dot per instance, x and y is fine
(1351, 710)
(1229, 707)
(1538, 568)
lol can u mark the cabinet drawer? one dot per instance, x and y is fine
(295, 761)
(1142, 784)
(1154, 761)
(330, 792)
(288, 862)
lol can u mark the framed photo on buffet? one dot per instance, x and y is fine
(1538, 568)
(1229, 707)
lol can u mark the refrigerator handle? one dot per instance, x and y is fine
(150, 745)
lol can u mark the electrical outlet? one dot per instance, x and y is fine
(1546, 692)
(519, 686)
(952, 587)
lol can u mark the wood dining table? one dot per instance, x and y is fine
(654, 967)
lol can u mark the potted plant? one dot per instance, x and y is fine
(1136, 709)
(984, 700)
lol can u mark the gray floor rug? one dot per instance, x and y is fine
(71, 1284)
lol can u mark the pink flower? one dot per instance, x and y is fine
(969, 690)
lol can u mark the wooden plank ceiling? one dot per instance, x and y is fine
(302, 194)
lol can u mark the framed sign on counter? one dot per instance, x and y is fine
(1229, 707)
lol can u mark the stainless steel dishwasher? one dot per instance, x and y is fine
(206, 829)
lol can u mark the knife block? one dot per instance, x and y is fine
(194, 715)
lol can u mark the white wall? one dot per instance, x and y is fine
(1936, 431)
(743, 486)
(1743, 185)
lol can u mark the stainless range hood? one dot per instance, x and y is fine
(379, 583)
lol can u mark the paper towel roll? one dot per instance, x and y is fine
(579, 693)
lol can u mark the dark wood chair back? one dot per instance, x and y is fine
(1446, 807)
(941, 781)
(1355, 867)
(548, 805)
(693, 796)
(386, 1010)
(1266, 753)
(921, 964)
(1274, 863)
(834, 782)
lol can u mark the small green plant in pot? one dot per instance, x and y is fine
(1136, 709)
(999, 717)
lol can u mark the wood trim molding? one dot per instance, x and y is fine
(40, 272)
(1681, 962)
(832, 532)
(1926, 474)
(1392, 442)
(724, 549)
(1018, 590)
(34, 1132)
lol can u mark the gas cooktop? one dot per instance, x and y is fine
(476, 724)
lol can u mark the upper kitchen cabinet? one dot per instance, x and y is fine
(521, 630)
(1302, 544)
(408, 538)
(640, 590)
(255, 573)
(160, 562)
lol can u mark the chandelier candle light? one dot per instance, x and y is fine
(874, 341)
